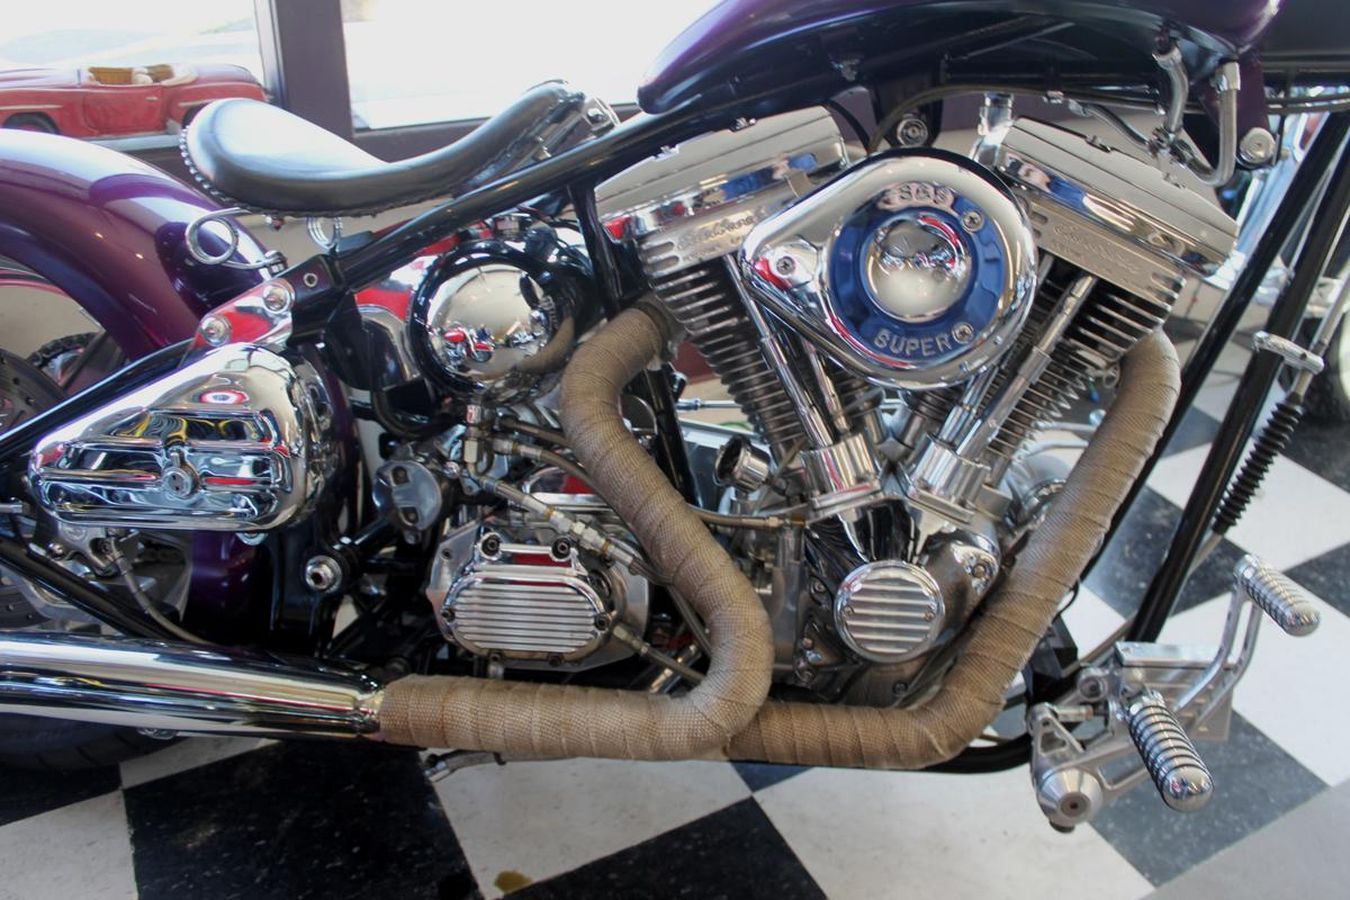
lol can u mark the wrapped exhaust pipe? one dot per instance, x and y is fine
(1002, 636)
(182, 687)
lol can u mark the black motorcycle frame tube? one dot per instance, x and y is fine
(1243, 413)
(78, 592)
(652, 387)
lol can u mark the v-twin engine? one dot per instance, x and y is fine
(896, 332)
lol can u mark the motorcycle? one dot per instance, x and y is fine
(432, 486)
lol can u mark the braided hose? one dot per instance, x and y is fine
(528, 720)
(1002, 638)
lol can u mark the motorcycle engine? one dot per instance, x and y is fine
(976, 302)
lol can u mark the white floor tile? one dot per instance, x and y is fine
(1296, 515)
(184, 755)
(1294, 690)
(540, 819)
(1090, 620)
(82, 850)
(896, 834)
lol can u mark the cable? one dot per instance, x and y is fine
(147, 604)
(645, 650)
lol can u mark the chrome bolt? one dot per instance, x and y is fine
(963, 332)
(310, 280)
(1257, 147)
(215, 330)
(972, 221)
(912, 132)
(930, 613)
(323, 574)
(785, 265)
(179, 482)
(597, 116)
(277, 296)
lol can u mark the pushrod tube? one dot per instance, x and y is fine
(1226, 451)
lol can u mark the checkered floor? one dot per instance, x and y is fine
(229, 818)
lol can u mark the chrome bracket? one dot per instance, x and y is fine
(1134, 717)
(272, 261)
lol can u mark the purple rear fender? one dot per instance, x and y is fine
(107, 230)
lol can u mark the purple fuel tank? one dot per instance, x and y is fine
(720, 45)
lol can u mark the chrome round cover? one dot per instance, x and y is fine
(915, 268)
(493, 324)
(889, 611)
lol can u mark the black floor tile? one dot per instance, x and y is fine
(1197, 429)
(735, 852)
(1138, 547)
(1255, 783)
(1322, 449)
(296, 820)
(25, 793)
(1327, 576)
(758, 776)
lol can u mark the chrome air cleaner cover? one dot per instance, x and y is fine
(915, 269)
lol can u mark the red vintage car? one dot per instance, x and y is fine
(111, 101)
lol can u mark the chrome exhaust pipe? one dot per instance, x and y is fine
(173, 687)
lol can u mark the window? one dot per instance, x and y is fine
(95, 69)
(411, 62)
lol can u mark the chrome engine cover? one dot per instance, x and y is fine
(236, 441)
(889, 611)
(915, 269)
(513, 590)
(494, 323)
(524, 601)
(1120, 218)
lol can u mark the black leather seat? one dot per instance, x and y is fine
(265, 159)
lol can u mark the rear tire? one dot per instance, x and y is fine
(32, 122)
(41, 744)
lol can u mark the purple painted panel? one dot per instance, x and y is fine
(735, 27)
(108, 231)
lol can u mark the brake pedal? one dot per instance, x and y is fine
(1146, 697)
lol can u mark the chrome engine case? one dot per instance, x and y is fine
(238, 440)
(513, 591)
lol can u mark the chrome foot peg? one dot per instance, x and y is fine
(1277, 596)
(1151, 699)
(1171, 759)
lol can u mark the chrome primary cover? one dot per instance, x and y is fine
(525, 601)
(914, 269)
(236, 441)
